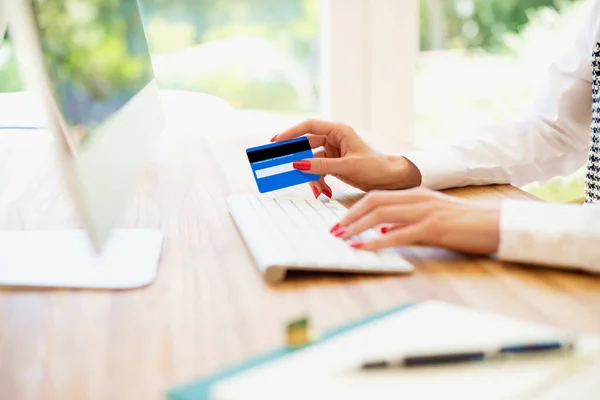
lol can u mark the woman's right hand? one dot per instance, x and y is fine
(347, 157)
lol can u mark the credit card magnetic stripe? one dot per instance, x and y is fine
(268, 152)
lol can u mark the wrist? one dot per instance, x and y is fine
(404, 173)
(491, 229)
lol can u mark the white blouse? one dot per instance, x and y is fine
(553, 141)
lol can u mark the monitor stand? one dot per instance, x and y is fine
(66, 258)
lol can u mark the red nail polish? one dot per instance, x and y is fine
(334, 228)
(273, 138)
(301, 165)
(327, 192)
(339, 232)
(356, 245)
(316, 192)
(384, 230)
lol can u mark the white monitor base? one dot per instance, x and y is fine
(66, 258)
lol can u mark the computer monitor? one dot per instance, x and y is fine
(89, 62)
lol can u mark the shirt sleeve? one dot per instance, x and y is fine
(559, 235)
(553, 140)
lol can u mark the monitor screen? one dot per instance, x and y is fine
(97, 58)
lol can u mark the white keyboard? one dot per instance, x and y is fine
(293, 234)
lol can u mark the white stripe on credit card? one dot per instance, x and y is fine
(275, 170)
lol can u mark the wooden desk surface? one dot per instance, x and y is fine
(208, 307)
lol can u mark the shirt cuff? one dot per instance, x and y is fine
(440, 169)
(549, 234)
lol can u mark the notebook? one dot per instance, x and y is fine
(329, 369)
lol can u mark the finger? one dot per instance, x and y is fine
(321, 186)
(322, 153)
(407, 214)
(326, 166)
(390, 228)
(316, 188)
(380, 198)
(327, 191)
(402, 237)
(313, 126)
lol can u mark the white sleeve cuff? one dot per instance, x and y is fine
(553, 234)
(439, 168)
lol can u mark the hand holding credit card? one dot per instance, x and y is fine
(272, 164)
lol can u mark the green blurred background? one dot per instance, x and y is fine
(263, 56)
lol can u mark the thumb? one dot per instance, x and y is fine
(323, 166)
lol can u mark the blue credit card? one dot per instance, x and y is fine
(272, 164)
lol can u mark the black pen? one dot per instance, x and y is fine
(456, 357)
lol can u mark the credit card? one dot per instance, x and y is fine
(272, 164)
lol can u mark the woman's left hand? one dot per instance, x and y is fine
(423, 217)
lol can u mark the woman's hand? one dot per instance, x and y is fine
(423, 217)
(346, 156)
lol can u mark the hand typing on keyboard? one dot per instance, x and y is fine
(422, 217)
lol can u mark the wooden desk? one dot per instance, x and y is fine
(208, 307)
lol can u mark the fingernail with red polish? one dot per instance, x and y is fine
(356, 245)
(334, 228)
(316, 192)
(384, 230)
(339, 232)
(327, 193)
(301, 165)
(273, 138)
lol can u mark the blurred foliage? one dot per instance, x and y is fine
(97, 46)
(259, 54)
(560, 189)
(482, 24)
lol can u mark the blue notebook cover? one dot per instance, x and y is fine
(200, 389)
